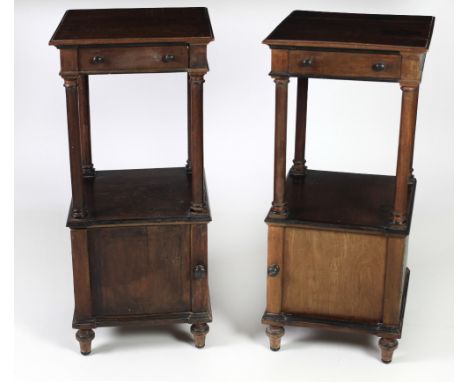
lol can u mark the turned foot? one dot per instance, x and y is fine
(85, 337)
(199, 332)
(275, 333)
(387, 347)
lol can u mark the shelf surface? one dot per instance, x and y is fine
(342, 200)
(137, 25)
(138, 196)
(353, 30)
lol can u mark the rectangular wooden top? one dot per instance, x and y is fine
(353, 31)
(133, 26)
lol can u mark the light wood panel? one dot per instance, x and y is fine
(334, 274)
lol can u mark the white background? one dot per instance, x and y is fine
(139, 121)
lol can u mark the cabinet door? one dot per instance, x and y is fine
(140, 270)
(334, 274)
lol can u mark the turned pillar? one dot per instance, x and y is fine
(279, 208)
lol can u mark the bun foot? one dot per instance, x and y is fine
(387, 347)
(275, 333)
(85, 337)
(199, 332)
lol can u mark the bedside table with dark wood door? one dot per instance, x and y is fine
(139, 237)
(337, 241)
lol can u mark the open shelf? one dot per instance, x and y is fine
(343, 200)
(134, 196)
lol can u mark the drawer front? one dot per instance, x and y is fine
(345, 65)
(133, 59)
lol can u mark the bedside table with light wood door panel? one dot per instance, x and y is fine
(337, 242)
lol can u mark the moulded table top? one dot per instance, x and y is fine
(133, 25)
(353, 31)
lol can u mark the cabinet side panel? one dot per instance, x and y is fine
(81, 274)
(394, 278)
(140, 270)
(334, 274)
(275, 257)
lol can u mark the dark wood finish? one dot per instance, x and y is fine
(140, 196)
(133, 26)
(85, 337)
(198, 205)
(337, 242)
(79, 209)
(353, 30)
(159, 261)
(299, 161)
(345, 65)
(139, 237)
(133, 59)
(85, 127)
(199, 332)
(338, 200)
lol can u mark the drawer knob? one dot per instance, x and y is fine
(273, 270)
(97, 60)
(378, 67)
(199, 271)
(306, 62)
(168, 58)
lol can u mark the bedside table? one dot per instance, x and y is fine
(139, 237)
(337, 242)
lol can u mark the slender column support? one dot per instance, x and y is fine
(409, 107)
(279, 207)
(85, 128)
(196, 141)
(299, 168)
(74, 138)
(188, 165)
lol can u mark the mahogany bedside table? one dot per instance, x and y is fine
(337, 241)
(139, 237)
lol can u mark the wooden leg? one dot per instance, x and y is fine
(85, 337)
(196, 142)
(387, 347)
(279, 207)
(275, 333)
(78, 186)
(188, 166)
(85, 128)
(299, 167)
(199, 332)
(409, 107)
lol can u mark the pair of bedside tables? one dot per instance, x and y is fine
(337, 242)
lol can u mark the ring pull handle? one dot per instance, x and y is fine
(97, 60)
(307, 62)
(168, 58)
(378, 67)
